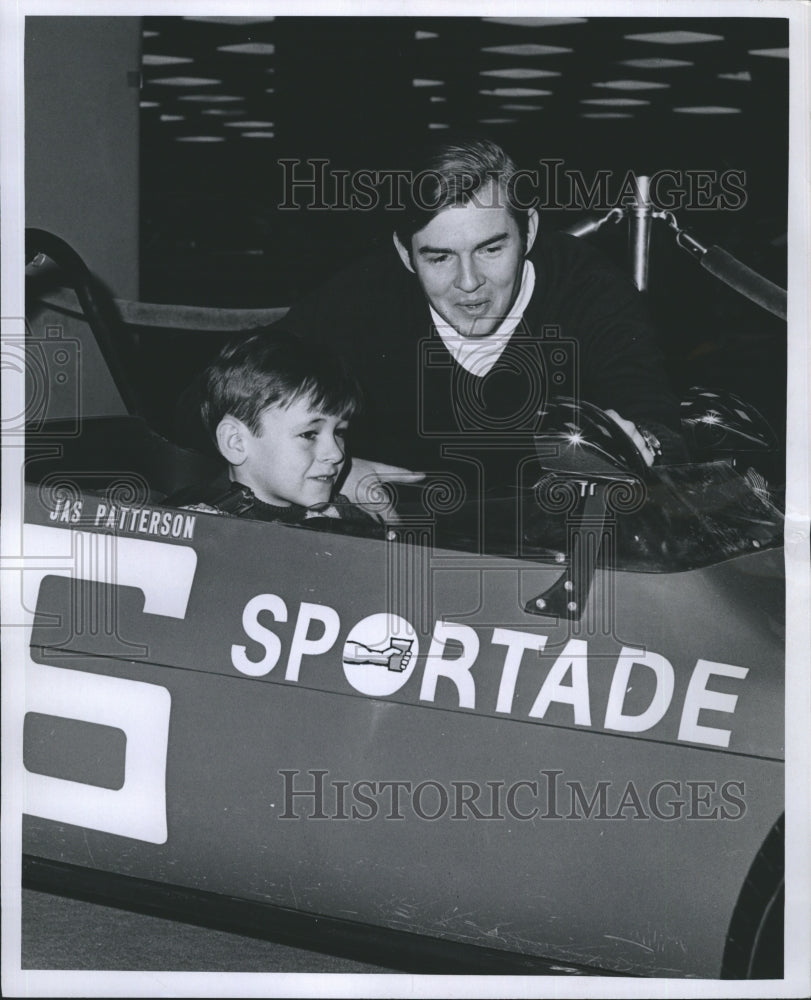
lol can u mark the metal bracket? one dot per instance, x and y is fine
(589, 523)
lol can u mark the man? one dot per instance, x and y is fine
(484, 319)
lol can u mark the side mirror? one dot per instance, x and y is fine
(718, 425)
(580, 438)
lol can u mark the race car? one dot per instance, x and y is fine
(558, 750)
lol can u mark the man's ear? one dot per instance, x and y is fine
(405, 255)
(232, 440)
(532, 228)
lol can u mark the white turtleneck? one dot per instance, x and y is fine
(479, 354)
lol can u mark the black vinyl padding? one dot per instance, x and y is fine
(119, 453)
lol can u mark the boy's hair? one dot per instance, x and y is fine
(452, 173)
(275, 368)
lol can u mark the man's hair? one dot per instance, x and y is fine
(453, 173)
(275, 368)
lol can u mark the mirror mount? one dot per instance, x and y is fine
(591, 504)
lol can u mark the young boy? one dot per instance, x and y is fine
(278, 411)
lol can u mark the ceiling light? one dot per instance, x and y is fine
(186, 81)
(631, 85)
(709, 109)
(617, 102)
(210, 98)
(249, 124)
(427, 83)
(605, 114)
(535, 22)
(258, 135)
(497, 121)
(745, 76)
(437, 125)
(674, 37)
(775, 53)
(438, 99)
(153, 60)
(148, 104)
(515, 92)
(420, 36)
(522, 107)
(249, 48)
(519, 73)
(199, 138)
(149, 34)
(173, 118)
(526, 49)
(231, 20)
(655, 62)
(221, 112)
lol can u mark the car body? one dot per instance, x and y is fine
(404, 734)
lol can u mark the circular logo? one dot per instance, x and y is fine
(380, 653)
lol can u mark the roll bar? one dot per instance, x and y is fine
(714, 259)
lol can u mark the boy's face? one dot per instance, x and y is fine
(297, 456)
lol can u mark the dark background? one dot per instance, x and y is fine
(343, 89)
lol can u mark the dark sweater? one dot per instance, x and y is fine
(585, 333)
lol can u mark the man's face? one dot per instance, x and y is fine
(469, 262)
(297, 456)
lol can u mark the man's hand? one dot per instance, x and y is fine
(645, 445)
(364, 485)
